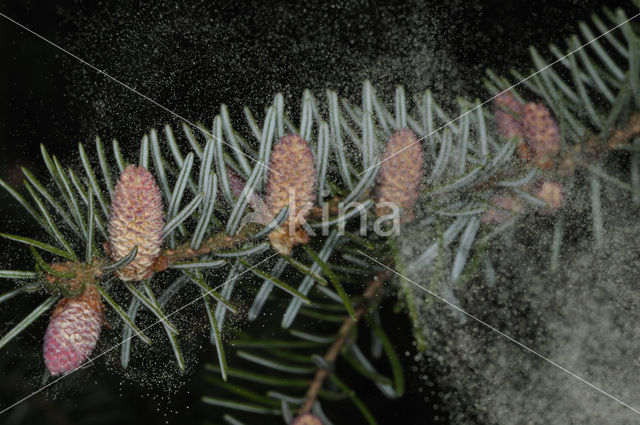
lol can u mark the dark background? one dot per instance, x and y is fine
(193, 56)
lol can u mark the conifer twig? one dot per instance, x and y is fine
(215, 242)
(331, 355)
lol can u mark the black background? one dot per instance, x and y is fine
(191, 57)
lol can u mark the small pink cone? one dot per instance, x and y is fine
(73, 332)
(552, 193)
(400, 175)
(541, 133)
(291, 182)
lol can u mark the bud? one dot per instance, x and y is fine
(74, 329)
(506, 206)
(307, 419)
(551, 193)
(236, 184)
(136, 218)
(291, 181)
(69, 279)
(541, 134)
(400, 174)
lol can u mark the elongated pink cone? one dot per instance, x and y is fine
(400, 175)
(291, 182)
(541, 133)
(136, 218)
(73, 332)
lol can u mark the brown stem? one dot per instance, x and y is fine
(333, 207)
(213, 243)
(622, 136)
(343, 334)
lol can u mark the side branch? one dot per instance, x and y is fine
(332, 354)
(213, 243)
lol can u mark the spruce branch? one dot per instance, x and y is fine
(473, 177)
